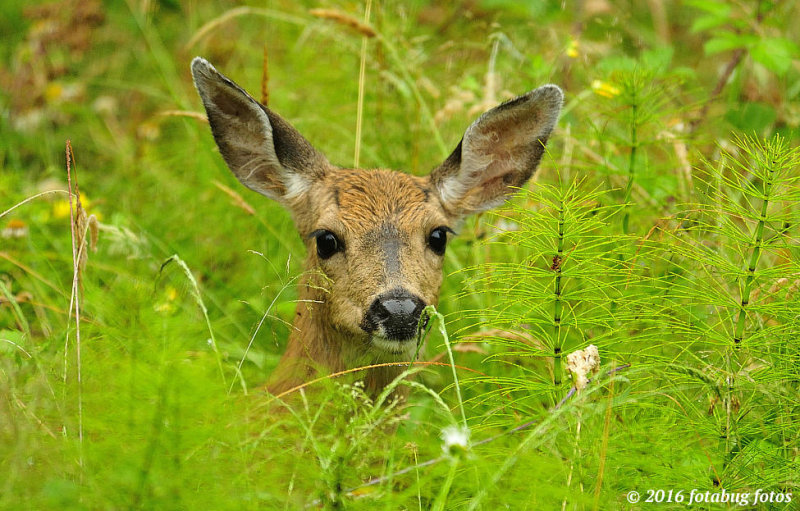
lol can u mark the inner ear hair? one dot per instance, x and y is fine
(262, 149)
(499, 151)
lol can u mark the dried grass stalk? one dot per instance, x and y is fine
(344, 19)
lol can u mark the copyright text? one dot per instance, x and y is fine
(695, 496)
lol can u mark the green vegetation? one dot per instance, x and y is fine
(663, 227)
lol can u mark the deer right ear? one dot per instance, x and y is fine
(499, 152)
(264, 151)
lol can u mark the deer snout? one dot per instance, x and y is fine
(394, 315)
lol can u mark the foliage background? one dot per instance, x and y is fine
(663, 227)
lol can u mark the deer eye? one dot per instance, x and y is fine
(437, 239)
(327, 243)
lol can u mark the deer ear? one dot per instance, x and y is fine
(264, 152)
(499, 151)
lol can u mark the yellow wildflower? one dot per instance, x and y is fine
(54, 92)
(167, 306)
(61, 208)
(605, 89)
(572, 49)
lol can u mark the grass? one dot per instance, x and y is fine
(662, 227)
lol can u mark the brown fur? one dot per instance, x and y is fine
(357, 205)
(383, 218)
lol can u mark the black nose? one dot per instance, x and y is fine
(394, 314)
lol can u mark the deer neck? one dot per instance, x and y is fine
(316, 348)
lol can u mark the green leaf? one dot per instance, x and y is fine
(724, 42)
(776, 54)
(713, 7)
(752, 118)
(707, 22)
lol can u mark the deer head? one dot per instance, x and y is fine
(375, 239)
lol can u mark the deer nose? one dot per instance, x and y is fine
(394, 314)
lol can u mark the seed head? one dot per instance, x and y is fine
(583, 362)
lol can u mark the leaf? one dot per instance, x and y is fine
(752, 118)
(724, 42)
(776, 54)
(707, 22)
(713, 7)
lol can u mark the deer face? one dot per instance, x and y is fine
(377, 238)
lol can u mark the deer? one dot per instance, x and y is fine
(375, 238)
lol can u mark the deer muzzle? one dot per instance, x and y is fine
(394, 315)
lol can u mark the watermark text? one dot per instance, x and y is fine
(695, 496)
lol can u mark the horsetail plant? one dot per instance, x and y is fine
(635, 100)
(739, 265)
(569, 286)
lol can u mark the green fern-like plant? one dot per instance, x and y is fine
(737, 277)
(568, 290)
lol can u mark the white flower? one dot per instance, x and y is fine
(583, 362)
(14, 229)
(455, 440)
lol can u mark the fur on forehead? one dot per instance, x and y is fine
(362, 196)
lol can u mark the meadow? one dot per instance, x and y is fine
(141, 317)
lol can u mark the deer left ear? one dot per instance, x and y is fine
(499, 151)
(262, 150)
